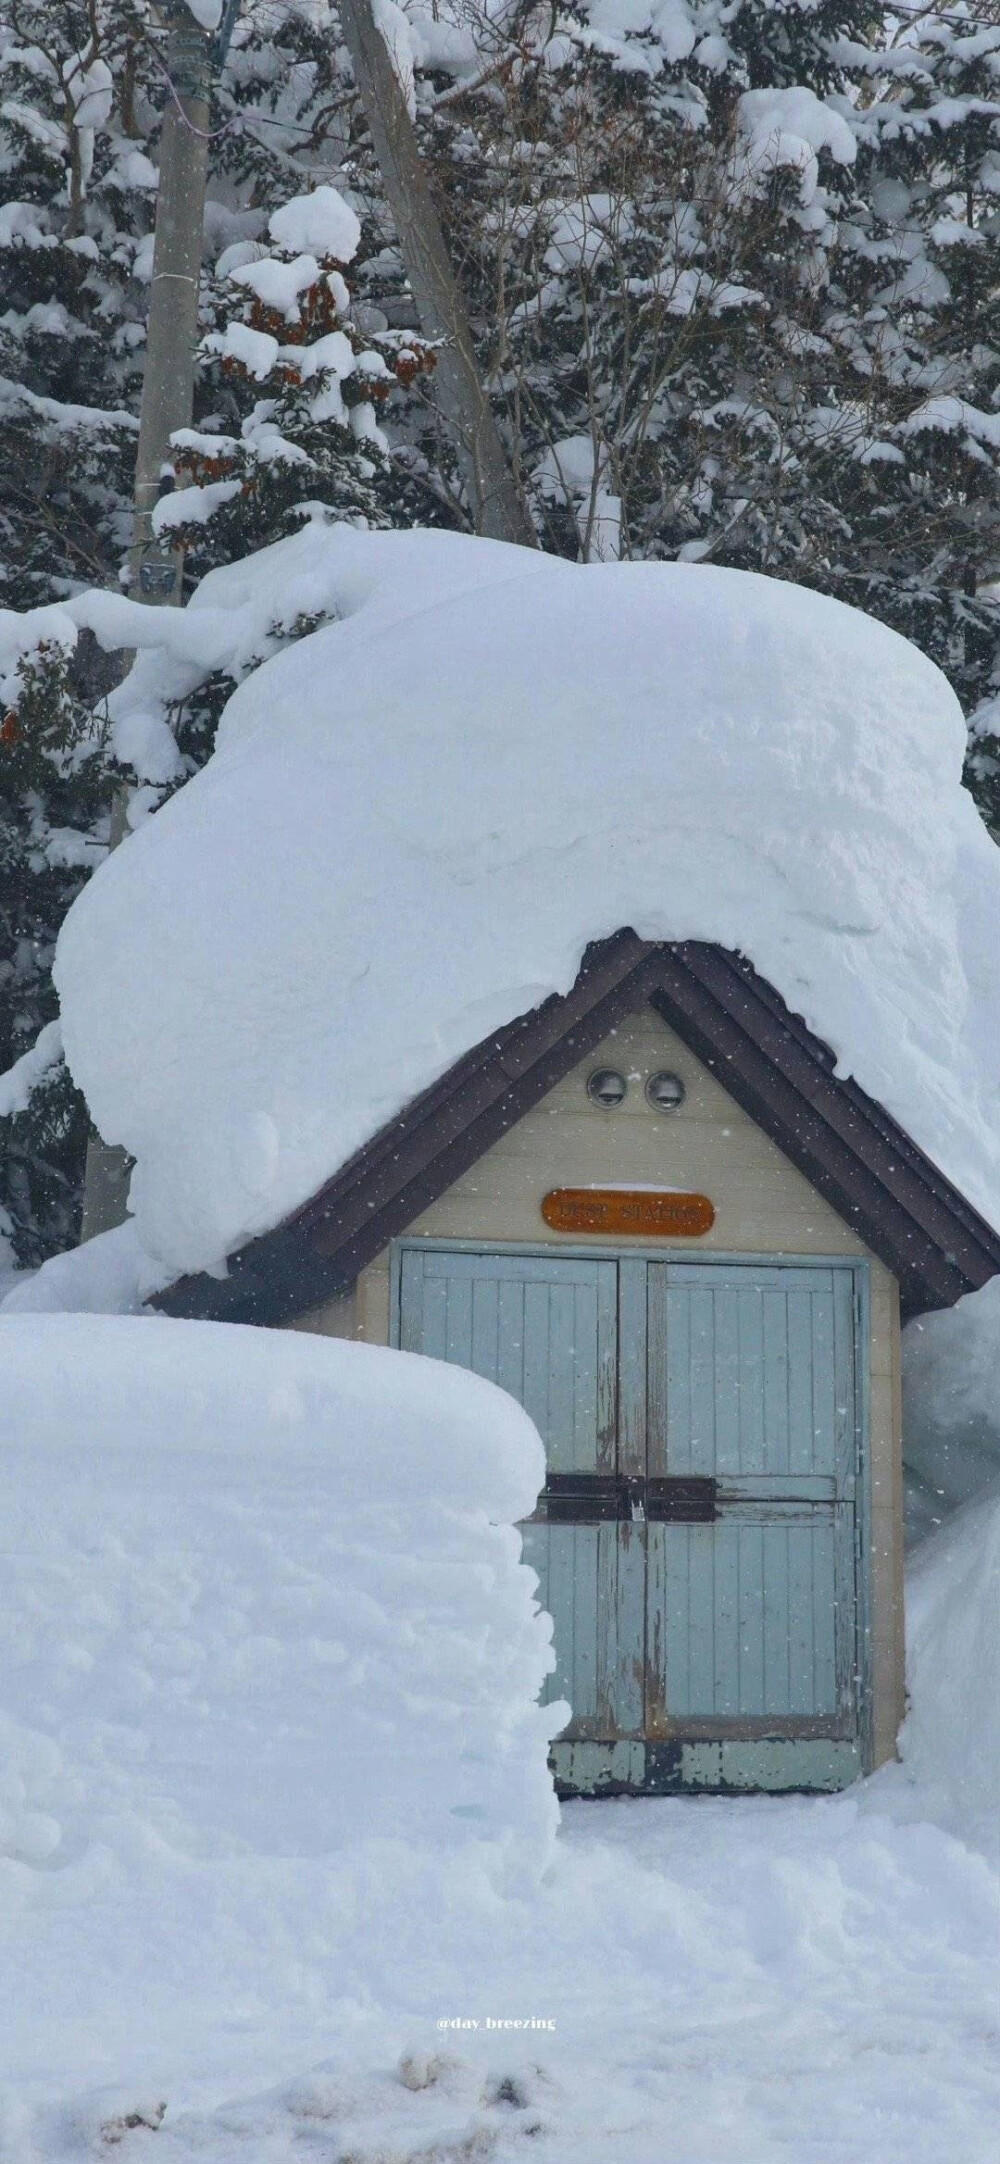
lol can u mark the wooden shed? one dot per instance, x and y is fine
(652, 1211)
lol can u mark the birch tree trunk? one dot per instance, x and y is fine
(498, 509)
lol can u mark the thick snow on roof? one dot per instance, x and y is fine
(418, 817)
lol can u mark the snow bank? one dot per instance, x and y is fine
(265, 1635)
(950, 1741)
(419, 816)
(246, 1667)
(951, 1406)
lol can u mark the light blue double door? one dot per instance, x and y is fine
(696, 1539)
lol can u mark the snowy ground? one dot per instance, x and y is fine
(274, 1852)
(728, 1982)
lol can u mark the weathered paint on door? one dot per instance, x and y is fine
(548, 1332)
(715, 1654)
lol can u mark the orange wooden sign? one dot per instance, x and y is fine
(633, 1209)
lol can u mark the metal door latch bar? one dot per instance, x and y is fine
(688, 1500)
(580, 1498)
(593, 1498)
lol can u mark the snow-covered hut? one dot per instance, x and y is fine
(588, 976)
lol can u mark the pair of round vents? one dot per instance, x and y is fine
(665, 1092)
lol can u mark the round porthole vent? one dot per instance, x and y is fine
(606, 1087)
(665, 1092)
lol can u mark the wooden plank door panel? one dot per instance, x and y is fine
(546, 1330)
(591, 1578)
(751, 1620)
(686, 1650)
(751, 1372)
(746, 1629)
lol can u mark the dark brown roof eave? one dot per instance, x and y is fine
(851, 1150)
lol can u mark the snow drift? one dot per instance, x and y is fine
(951, 1407)
(266, 1638)
(419, 816)
(950, 1742)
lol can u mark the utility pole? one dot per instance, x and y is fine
(167, 403)
(498, 507)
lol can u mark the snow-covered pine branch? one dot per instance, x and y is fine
(17, 1085)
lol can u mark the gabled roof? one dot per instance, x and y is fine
(854, 1154)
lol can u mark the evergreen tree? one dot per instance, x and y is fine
(736, 275)
(285, 326)
(53, 830)
(83, 88)
(75, 225)
(926, 268)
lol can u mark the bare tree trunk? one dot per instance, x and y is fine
(172, 331)
(498, 508)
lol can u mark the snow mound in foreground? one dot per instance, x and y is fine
(950, 1740)
(419, 816)
(263, 1657)
(262, 1600)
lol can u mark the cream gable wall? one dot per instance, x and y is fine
(763, 1205)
